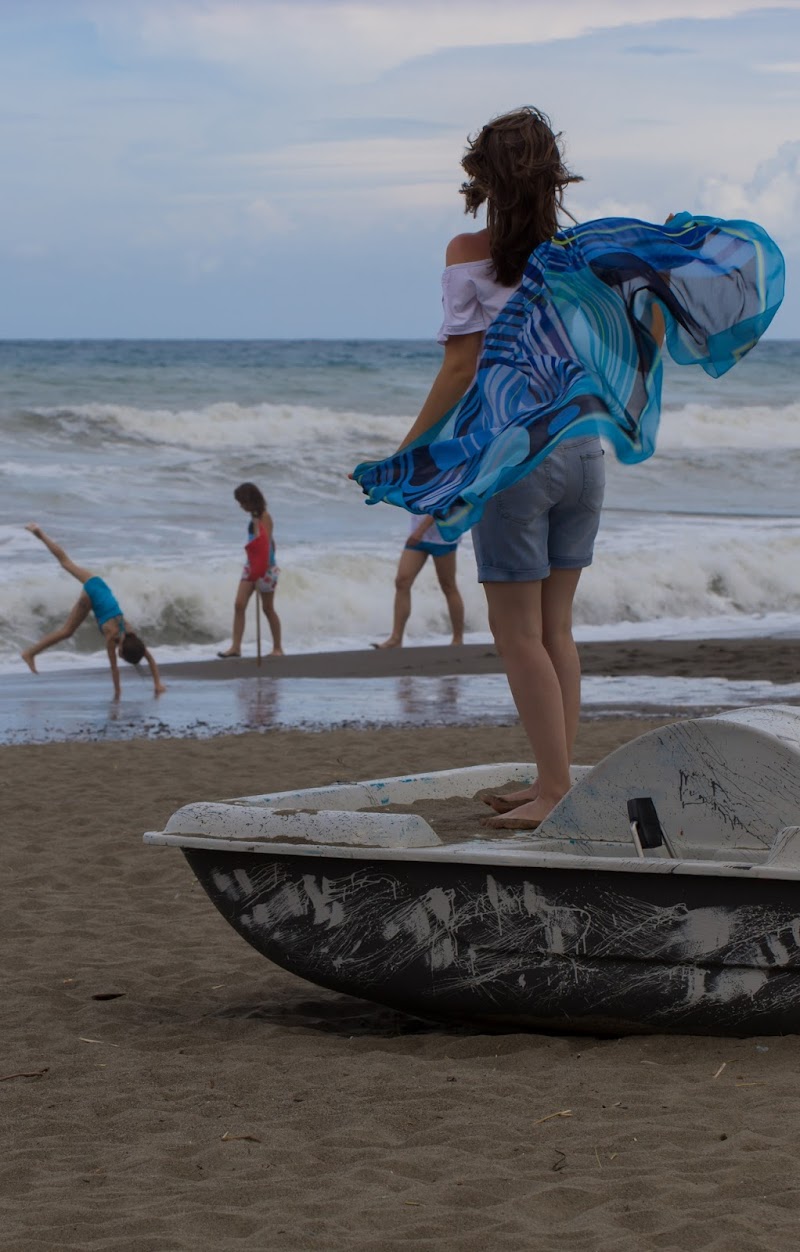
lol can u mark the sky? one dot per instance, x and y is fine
(259, 169)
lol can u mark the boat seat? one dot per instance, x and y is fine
(723, 785)
(786, 848)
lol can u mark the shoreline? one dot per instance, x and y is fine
(769, 658)
(412, 687)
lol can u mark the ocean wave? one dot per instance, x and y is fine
(284, 430)
(269, 428)
(40, 469)
(754, 426)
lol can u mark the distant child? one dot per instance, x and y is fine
(98, 598)
(261, 536)
(424, 540)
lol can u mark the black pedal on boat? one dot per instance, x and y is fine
(645, 825)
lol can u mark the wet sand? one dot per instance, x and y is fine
(217, 1102)
(773, 659)
(409, 686)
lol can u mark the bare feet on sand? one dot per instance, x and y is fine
(276, 652)
(27, 657)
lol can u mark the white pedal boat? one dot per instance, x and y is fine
(662, 894)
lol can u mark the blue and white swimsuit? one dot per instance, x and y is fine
(432, 542)
(104, 603)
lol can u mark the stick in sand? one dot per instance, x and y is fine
(258, 627)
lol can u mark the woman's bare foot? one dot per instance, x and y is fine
(28, 658)
(391, 642)
(277, 652)
(457, 641)
(525, 816)
(506, 801)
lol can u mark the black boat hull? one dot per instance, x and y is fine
(542, 948)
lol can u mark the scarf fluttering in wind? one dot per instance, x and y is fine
(573, 352)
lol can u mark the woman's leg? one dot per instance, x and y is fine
(77, 571)
(515, 618)
(243, 594)
(77, 614)
(268, 605)
(409, 566)
(445, 567)
(558, 593)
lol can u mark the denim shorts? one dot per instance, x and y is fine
(548, 520)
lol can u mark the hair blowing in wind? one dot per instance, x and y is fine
(515, 164)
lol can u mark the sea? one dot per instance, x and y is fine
(128, 452)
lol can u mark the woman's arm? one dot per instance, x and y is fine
(457, 371)
(111, 649)
(158, 686)
(461, 352)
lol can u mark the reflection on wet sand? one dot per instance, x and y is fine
(265, 703)
(76, 705)
(434, 697)
(259, 703)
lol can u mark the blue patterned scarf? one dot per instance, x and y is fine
(573, 352)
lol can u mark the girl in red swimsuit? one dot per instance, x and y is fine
(252, 501)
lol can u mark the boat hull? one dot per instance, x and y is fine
(543, 948)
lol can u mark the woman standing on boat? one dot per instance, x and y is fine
(534, 538)
(566, 327)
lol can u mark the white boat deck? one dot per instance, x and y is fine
(726, 790)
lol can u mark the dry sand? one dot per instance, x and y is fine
(220, 1103)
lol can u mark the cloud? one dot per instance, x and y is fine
(239, 142)
(771, 197)
(344, 42)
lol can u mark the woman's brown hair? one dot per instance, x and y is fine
(250, 498)
(132, 648)
(515, 164)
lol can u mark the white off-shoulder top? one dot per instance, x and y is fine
(471, 298)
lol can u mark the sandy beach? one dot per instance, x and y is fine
(164, 1088)
(243, 307)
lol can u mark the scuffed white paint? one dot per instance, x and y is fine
(442, 953)
(706, 930)
(328, 910)
(243, 883)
